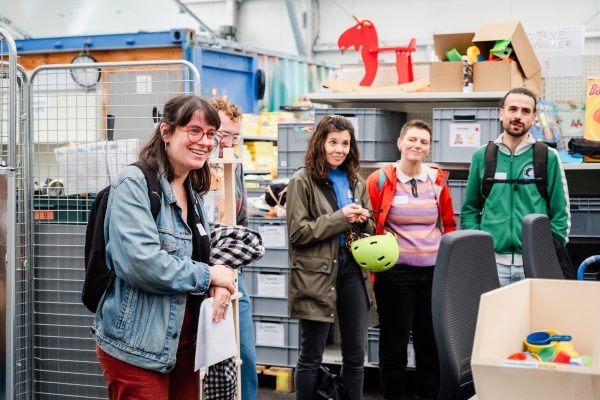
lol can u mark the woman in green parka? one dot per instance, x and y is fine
(324, 199)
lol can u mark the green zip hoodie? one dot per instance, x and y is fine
(502, 213)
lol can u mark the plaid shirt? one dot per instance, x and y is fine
(234, 246)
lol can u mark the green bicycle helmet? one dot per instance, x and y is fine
(376, 253)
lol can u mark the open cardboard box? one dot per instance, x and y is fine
(501, 76)
(447, 76)
(508, 314)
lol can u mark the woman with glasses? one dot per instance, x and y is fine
(416, 206)
(146, 322)
(324, 199)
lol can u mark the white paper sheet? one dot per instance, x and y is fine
(90, 167)
(215, 342)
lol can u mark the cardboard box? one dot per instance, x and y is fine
(447, 76)
(500, 76)
(507, 315)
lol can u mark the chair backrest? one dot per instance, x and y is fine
(465, 269)
(539, 256)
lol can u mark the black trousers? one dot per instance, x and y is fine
(353, 314)
(403, 296)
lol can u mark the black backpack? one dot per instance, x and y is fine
(98, 278)
(540, 160)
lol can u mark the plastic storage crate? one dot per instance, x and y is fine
(268, 290)
(292, 140)
(373, 345)
(585, 217)
(458, 132)
(458, 191)
(275, 239)
(277, 341)
(373, 348)
(376, 130)
(64, 210)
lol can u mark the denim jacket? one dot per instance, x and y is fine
(139, 319)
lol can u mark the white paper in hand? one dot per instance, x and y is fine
(215, 342)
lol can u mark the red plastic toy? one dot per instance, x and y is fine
(364, 35)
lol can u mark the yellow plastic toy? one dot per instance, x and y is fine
(472, 53)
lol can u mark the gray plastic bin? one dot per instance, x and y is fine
(275, 240)
(268, 290)
(373, 345)
(373, 348)
(458, 132)
(292, 140)
(273, 231)
(458, 190)
(585, 217)
(376, 130)
(277, 341)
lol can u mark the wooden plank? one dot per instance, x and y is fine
(32, 61)
(419, 85)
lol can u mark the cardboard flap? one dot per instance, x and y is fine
(444, 42)
(519, 41)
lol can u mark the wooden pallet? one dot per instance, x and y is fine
(284, 377)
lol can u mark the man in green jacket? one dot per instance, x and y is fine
(501, 213)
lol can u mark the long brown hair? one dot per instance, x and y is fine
(178, 112)
(315, 161)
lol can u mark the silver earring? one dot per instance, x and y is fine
(166, 146)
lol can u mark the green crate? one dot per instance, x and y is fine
(64, 210)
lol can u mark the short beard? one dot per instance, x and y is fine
(515, 134)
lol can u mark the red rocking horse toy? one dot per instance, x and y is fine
(364, 35)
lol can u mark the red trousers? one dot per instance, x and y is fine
(128, 382)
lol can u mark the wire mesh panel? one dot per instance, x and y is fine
(88, 122)
(14, 157)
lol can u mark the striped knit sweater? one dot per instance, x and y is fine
(414, 219)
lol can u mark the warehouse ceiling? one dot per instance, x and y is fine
(52, 18)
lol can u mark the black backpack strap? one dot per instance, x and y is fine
(540, 169)
(154, 189)
(489, 169)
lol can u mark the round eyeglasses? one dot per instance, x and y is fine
(233, 136)
(196, 134)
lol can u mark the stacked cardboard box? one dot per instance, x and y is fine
(488, 76)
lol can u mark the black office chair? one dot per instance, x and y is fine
(465, 269)
(539, 255)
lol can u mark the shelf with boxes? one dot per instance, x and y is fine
(267, 281)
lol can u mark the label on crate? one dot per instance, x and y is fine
(43, 215)
(273, 235)
(464, 135)
(270, 285)
(410, 353)
(270, 334)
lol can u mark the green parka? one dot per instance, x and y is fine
(314, 225)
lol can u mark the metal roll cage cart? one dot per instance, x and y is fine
(45, 345)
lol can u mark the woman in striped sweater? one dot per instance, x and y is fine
(416, 206)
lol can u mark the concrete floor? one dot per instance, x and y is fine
(266, 387)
